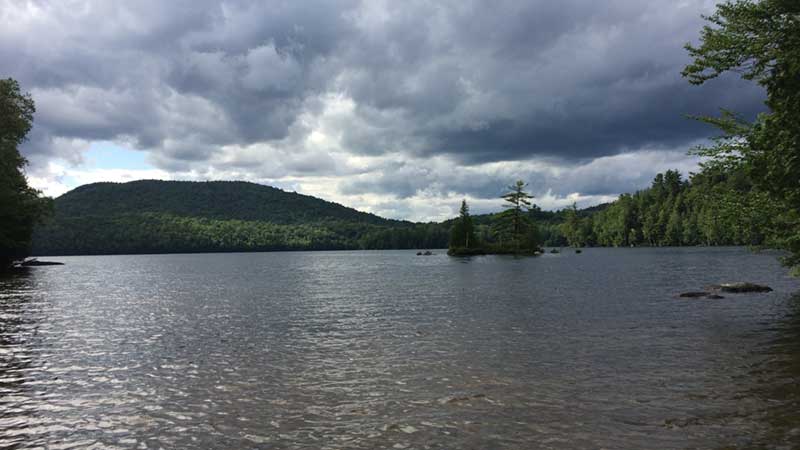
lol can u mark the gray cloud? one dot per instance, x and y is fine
(203, 85)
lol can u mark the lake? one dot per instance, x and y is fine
(379, 349)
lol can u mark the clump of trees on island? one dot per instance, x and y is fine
(512, 232)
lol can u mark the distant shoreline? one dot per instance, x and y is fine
(439, 251)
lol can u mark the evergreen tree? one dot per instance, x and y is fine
(20, 205)
(463, 232)
(514, 222)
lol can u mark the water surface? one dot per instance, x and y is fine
(391, 350)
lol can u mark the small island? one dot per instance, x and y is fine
(513, 233)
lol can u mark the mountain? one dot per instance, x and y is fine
(153, 216)
(237, 200)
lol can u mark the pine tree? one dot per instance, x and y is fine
(514, 221)
(462, 235)
(466, 224)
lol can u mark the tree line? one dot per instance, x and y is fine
(156, 232)
(711, 208)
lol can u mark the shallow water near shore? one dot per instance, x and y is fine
(392, 350)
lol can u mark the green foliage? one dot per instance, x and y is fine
(760, 41)
(20, 205)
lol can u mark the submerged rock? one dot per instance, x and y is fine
(460, 399)
(712, 292)
(700, 294)
(36, 262)
(577, 250)
(739, 288)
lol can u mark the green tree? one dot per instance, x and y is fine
(463, 232)
(20, 205)
(673, 233)
(573, 227)
(760, 40)
(514, 222)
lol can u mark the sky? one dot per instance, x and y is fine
(399, 108)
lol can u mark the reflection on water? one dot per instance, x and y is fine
(388, 350)
(18, 327)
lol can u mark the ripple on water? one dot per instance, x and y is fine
(385, 350)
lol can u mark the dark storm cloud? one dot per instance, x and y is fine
(478, 81)
(605, 124)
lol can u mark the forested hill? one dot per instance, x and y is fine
(181, 216)
(229, 200)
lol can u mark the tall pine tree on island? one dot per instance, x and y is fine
(760, 40)
(20, 205)
(516, 230)
(462, 235)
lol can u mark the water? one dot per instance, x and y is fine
(391, 350)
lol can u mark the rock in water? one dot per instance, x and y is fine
(36, 262)
(738, 288)
(700, 294)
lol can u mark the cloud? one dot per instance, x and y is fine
(378, 101)
(55, 179)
